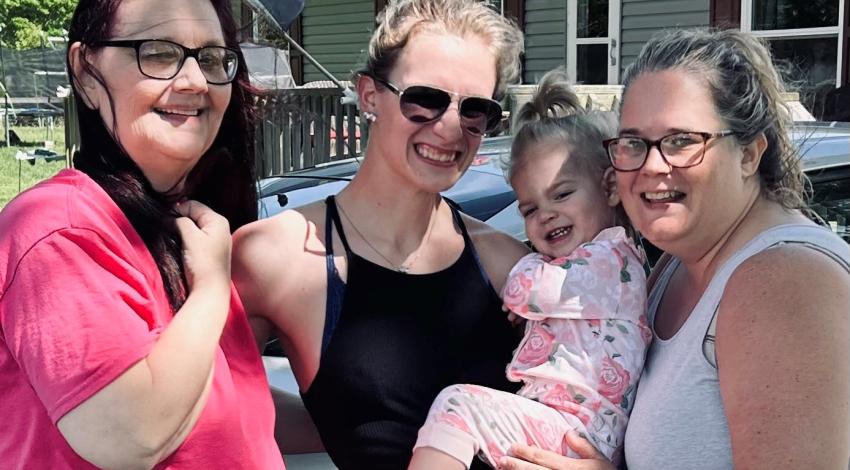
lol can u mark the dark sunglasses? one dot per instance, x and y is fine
(423, 104)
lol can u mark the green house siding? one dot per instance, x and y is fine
(643, 18)
(336, 32)
(545, 37)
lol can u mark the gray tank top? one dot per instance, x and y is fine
(678, 419)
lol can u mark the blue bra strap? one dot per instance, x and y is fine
(336, 288)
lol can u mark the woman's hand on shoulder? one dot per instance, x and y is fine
(206, 246)
(525, 457)
(783, 344)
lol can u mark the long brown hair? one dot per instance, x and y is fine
(223, 179)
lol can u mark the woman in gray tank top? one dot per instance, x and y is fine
(750, 363)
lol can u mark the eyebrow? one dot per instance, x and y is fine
(668, 131)
(140, 34)
(558, 183)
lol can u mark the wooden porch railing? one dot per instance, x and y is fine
(303, 127)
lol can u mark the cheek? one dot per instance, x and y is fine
(220, 99)
(624, 182)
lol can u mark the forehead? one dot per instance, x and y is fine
(187, 21)
(545, 163)
(660, 102)
(463, 64)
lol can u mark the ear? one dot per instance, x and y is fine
(366, 93)
(609, 187)
(84, 84)
(752, 154)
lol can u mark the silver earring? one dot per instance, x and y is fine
(370, 116)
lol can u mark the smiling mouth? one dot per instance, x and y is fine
(559, 233)
(662, 196)
(178, 112)
(434, 155)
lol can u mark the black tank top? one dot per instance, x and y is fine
(391, 342)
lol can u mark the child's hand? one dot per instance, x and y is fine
(515, 319)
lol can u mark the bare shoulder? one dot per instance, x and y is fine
(783, 339)
(271, 256)
(788, 284)
(497, 250)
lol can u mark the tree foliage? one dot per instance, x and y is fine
(26, 24)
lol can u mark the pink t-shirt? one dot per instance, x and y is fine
(81, 300)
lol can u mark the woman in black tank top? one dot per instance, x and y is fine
(386, 294)
(445, 335)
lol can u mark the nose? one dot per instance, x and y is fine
(546, 214)
(448, 126)
(655, 161)
(190, 78)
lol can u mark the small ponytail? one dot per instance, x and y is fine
(554, 99)
(555, 116)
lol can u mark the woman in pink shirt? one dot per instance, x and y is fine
(122, 343)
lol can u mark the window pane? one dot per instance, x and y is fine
(592, 21)
(592, 64)
(792, 14)
(809, 66)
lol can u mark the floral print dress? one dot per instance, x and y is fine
(580, 358)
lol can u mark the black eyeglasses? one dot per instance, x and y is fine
(679, 150)
(423, 104)
(161, 59)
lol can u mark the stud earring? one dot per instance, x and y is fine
(370, 116)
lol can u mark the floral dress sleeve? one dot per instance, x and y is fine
(587, 284)
(587, 333)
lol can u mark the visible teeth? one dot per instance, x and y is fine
(661, 195)
(432, 154)
(559, 232)
(181, 112)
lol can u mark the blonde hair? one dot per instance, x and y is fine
(747, 92)
(401, 19)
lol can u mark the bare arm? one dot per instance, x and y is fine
(294, 429)
(267, 287)
(146, 413)
(783, 343)
(498, 251)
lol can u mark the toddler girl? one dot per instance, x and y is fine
(583, 294)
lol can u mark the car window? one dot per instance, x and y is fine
(831, 199)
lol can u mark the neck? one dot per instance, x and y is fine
(759, 215)
(386, 209)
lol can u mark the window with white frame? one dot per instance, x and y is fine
(805, 38)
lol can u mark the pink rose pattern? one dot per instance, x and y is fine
(596, 354)
(580, 359)
(517, 292)
(536, 346)
(613, 380)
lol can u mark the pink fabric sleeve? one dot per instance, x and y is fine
(570, 287)
(76, 316)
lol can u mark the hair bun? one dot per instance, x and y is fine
(553, 99)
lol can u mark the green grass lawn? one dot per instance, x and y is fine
(17, 176)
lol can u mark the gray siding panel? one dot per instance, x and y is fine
(545, 37)
(643, 18)
(336, 33)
